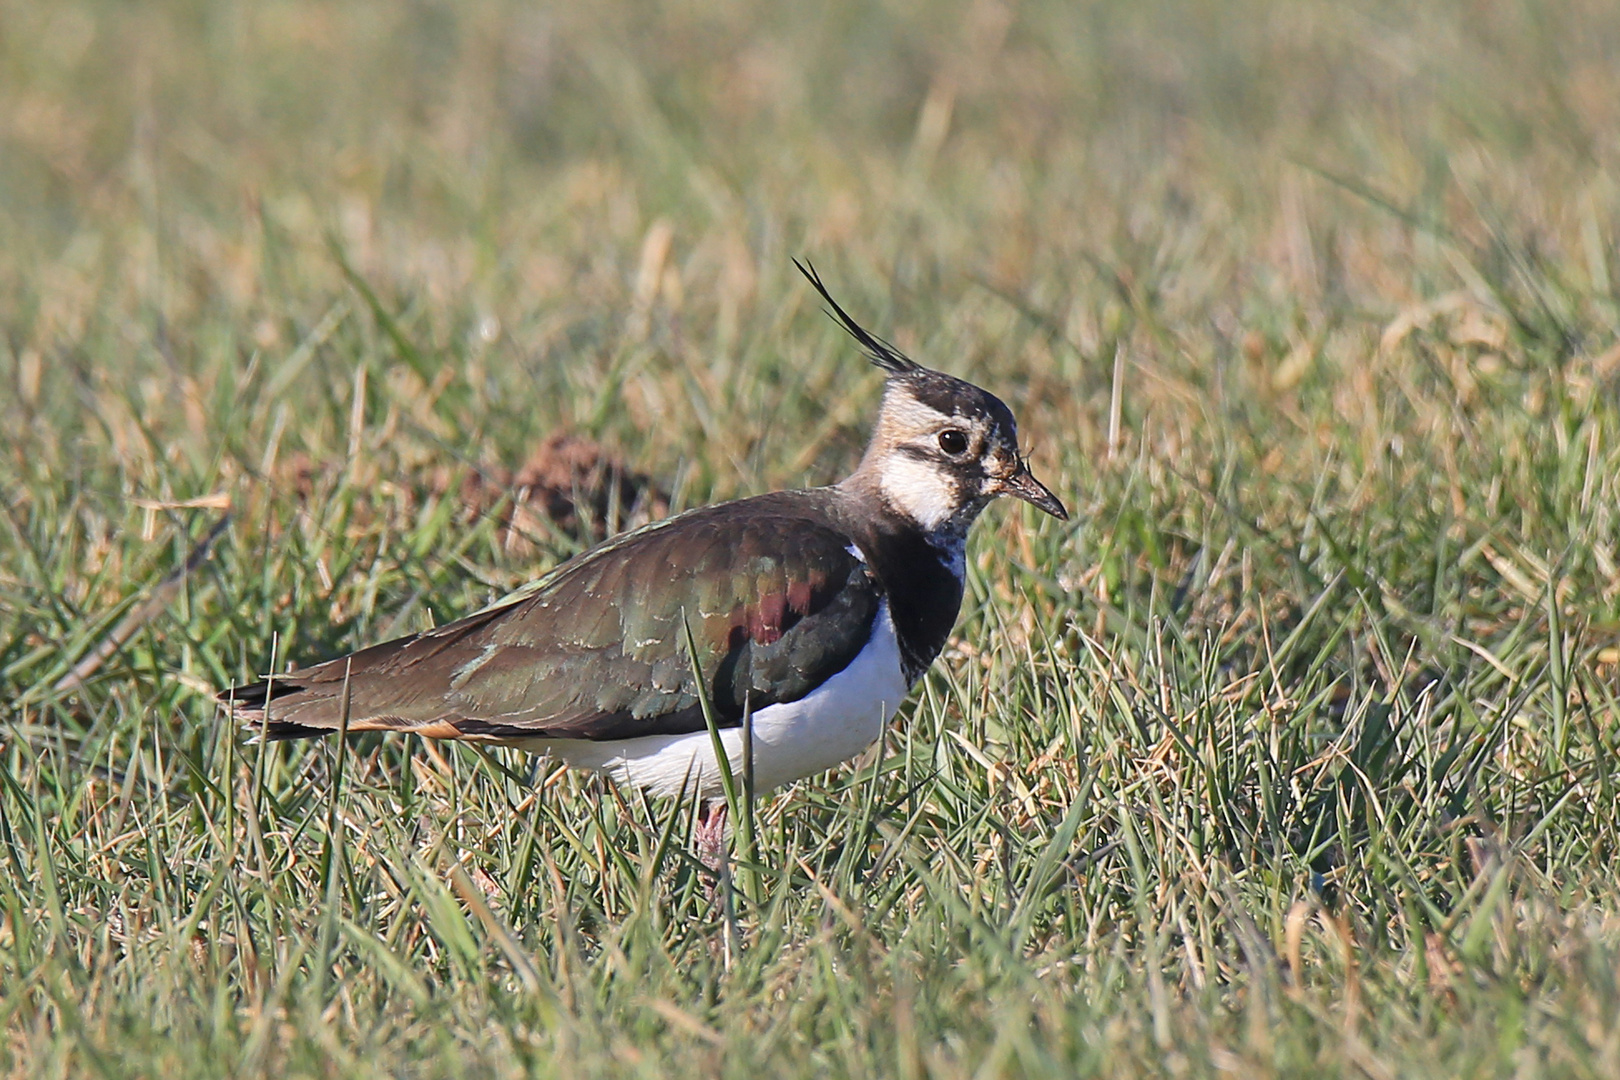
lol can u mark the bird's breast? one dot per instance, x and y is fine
(791, 740)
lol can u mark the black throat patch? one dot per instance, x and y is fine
(920, 576)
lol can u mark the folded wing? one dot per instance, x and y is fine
(776, 598)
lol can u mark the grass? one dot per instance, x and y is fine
(1296, 750)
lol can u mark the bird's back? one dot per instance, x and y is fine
(775, 593)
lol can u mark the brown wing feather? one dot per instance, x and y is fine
(775, 598)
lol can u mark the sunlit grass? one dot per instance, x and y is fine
(1295, 750)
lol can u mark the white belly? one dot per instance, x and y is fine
(826, 727)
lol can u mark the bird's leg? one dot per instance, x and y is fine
(709, 835)
(709, 840)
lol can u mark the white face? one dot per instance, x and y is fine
(920, 490)
(933, 466)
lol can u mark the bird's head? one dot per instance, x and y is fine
(943, 448)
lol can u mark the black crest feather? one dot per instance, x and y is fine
(880, 352)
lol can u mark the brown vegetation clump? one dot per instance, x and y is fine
(569, 484)
(574, 483)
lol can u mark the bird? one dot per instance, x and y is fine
(802, 619)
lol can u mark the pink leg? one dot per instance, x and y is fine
(709, 836)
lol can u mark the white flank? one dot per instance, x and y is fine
(919, 490)
(828, 726)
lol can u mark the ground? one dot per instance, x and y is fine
(1295, 750)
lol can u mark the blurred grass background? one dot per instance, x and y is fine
(1295, 750)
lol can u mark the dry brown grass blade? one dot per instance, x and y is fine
(163, 595)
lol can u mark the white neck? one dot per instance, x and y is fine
(919, 491)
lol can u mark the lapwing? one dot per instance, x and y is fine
(813, 613)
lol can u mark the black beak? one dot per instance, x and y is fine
(1023, 485)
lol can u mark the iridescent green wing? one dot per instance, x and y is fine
(776, 598)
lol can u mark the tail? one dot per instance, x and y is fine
(400, 685)
(312, 702)
(249, 705)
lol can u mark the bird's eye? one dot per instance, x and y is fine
(953, 442)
